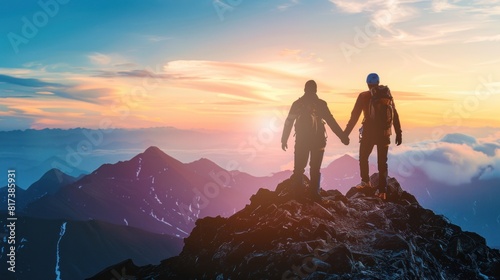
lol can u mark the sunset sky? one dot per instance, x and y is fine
(215, 79)
(229, 65)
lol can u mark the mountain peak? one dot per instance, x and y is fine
(51, 182)
(153, 150)
(345, 161)
(283, 235)
(346, 157)
(53, 172)
(204, 165)
(158, 157)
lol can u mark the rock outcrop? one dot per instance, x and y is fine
(283, 235)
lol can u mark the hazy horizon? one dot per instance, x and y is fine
(465, 155)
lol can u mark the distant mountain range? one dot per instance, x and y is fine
(158, 194)
(80, 151)
(154, 192)
(180, 185)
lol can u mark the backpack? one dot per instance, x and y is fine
(308, 122)
(381, 109)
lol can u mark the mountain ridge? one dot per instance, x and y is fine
(282, 235)
(109, 189)
(340, 174)
(152, 190)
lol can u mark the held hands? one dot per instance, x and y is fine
(284, 146)
(399, 139)
(345, 140)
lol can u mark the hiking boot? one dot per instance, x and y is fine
(363, 185)
(314, 187)
(315, 196)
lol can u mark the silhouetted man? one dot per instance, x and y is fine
(309, 113)
(379, 115)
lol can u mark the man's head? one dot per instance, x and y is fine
(372, 80)
(310, 87)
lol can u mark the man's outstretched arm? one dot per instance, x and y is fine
(355, 114)
(334, 126)
(397, 127)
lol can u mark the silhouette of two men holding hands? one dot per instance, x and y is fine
(309, 114)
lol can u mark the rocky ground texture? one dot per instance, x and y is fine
(283, 235)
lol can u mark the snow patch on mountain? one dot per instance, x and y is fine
(162, 220)
(139, 168)
(58, 256)
(157, 199)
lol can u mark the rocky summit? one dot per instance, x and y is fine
(282, 234)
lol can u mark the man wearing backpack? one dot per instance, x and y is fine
(380, 115)
(309, 113)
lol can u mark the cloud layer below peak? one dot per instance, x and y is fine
(454, 160)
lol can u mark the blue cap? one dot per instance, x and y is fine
(372, 79)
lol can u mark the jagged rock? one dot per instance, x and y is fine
(340, 258)
(283, 235)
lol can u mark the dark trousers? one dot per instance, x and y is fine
(365, 149)
(304, 149)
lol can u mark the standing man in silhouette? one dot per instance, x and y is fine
(309, 114)
(380, 114)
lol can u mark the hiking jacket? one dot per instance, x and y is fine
(322, 110)
(363, 105)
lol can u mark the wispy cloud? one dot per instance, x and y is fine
(35, 87)
(254, 81)
(492, 38)
(489, 62)
(182, 89)
(26, 82)
(300, 55)
(439, 6)
(137, 73)
(290, 3)
(100, 59)
(109, 60)
(354, 7)
(157, 38)
(290, 52)
(425, 23)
